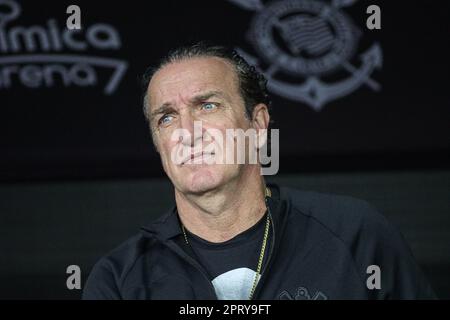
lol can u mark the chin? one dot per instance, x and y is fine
(202, 178)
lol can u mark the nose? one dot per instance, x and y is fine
(192, 131)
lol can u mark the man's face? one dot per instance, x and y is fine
(204, 89)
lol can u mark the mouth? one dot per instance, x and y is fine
(197, 158)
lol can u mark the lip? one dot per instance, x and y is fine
(193, 156)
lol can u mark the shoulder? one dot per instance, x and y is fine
(110, 271)
(342, 215)
(368, 237)
(351, 223)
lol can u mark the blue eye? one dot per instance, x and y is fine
(165, 119)
(209, 106)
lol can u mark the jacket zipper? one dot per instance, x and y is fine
(269, 260)
(174, 247)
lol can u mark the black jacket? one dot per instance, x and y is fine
(323, 245)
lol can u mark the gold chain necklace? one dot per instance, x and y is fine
(263, 247)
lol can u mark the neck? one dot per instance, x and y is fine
(220, 214)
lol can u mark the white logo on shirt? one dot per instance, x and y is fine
(235, 284)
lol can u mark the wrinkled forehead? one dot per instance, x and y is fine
(180, 81)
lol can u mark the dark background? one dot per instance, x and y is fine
(79, 175)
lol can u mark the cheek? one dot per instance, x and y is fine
(165, 148)
(227, 121)
(217, 130)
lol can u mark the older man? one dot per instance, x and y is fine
(230, 236)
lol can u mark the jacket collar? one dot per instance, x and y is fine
(168, 225)
(165, 227)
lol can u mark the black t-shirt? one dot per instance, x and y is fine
(232, 265)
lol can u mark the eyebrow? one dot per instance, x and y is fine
(167, 106)
(205, 96)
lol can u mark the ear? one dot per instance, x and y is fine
(260, 122)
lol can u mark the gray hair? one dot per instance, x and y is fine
(252, 84)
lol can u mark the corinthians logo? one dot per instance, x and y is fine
(31, 55)
(305, 48)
